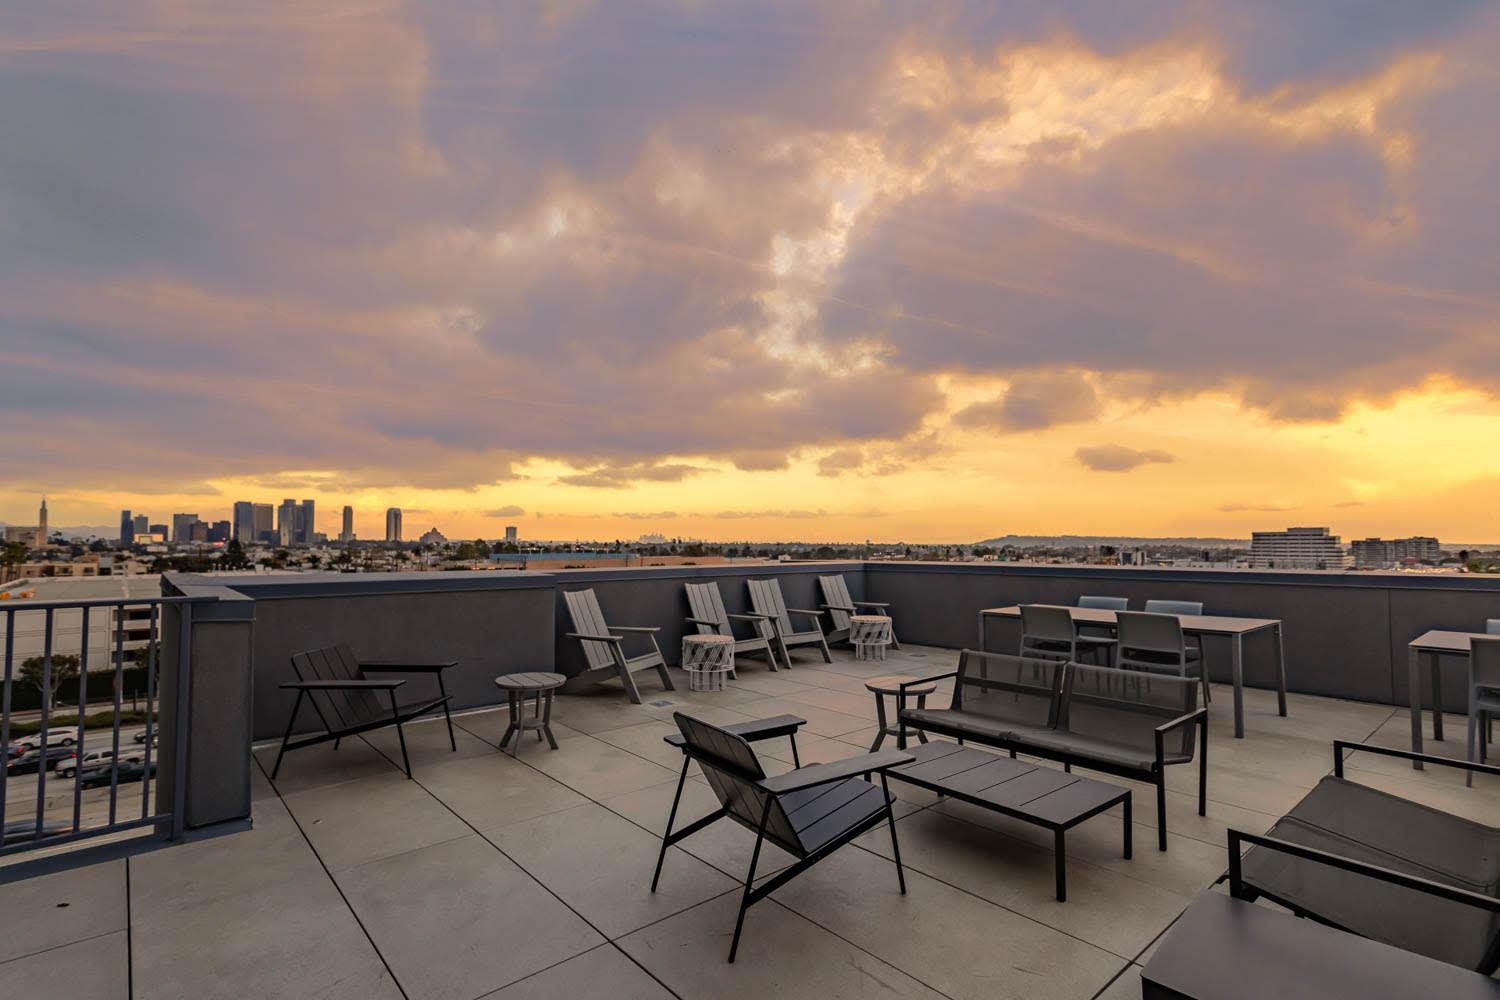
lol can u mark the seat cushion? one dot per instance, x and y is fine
(1356, 821)
(1054, 741)
(969, 725)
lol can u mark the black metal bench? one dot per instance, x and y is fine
(1223, 948)
(1120, 722)
(1381, 866)
(346, 700)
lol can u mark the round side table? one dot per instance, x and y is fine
(869, 635)
(883, 686)
(708, 660)
(518, 687)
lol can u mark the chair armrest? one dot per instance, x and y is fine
(836, 607)
(872, 604)
(752, 731)
(1339, 746)
(342, 685)
(751, 617)
(703, 621)
(821, 774)
(635, 628)
(592, 638)
(1448, 892)
(394, 666)
(805, 611)
(1181, 720)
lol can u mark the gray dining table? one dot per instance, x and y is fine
(1233, 627)
(1434, 644)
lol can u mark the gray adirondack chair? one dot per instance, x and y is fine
(839, 605)
(710, 618)
(604, 646)
(776, 626)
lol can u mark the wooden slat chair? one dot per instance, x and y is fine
(840, 606)
(604, 647)
(348, 702)
(809, 812)
(710, 618)
(776, 626)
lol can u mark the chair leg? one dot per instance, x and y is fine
(1161, 810)
(894, 643)
(739, 921)
(671, 818)
(400, 735)
(661, 668)
(1203, 769)
(890, 818)
(880, 721)
(1473, 731)
(623, 669)
(515, 718)
(447, 715)
(827, 656)
(285, 737)
(796, 760)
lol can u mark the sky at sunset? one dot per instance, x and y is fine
(919, 271)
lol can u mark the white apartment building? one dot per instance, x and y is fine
(1298, 548)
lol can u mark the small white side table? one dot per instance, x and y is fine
(708, 660)
(869, 634)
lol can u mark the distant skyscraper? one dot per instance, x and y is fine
(393, 524)
(511, 534)
(142, 524)
(286, 522)
(41, 521)
(306, 523)
(127, 528)
(347, 535)
(219, 531)
(243, 530)
(182, 527)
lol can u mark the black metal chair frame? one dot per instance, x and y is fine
(337, 727)
(1240, 889)
(797, 780)
(1156, 775)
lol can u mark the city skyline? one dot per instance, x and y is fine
(845, 273)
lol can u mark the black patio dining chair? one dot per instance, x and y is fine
(809, 812)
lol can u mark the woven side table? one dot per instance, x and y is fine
(708, 660)
(869, 635)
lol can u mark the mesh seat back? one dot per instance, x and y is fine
(1175, 607)
(1484, 664)
(1046, 622)
(1150, 632)
(1009, 689)
(1104, 603)
(733, 772)
(1125, 707)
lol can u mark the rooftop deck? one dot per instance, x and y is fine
(495, 877)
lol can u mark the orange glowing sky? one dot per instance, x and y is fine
(750, 271)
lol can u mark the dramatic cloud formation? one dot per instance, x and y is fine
(1118, 458)
(601, 250)
(510, 510)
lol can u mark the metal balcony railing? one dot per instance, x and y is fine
(91, 755)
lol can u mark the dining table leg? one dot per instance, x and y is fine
(1280, 672)
(1437, 696)
(1237, 672)
(1414, 695)
(980, 647)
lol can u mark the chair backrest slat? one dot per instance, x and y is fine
(1150, 632)
(706, 604)
(766, 599)
(1104, 603)
(836, 596)
(343, 664)
(1175, 607)
(588, 619)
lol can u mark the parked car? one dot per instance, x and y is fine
(55, 738)
(34, 760)
(94, 759)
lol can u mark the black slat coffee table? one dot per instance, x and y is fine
(1043, 796)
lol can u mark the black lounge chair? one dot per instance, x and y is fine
(1381, 866)
(348, 702)
(809, 812)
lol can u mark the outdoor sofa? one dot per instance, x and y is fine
(1116, 721)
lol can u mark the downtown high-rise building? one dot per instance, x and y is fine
(127, 529)
(393, 524)
(306, 523)
(512, 533)
(286, 522)
(243, 522)
(142, 524)
(346, 535)
(182, 527)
